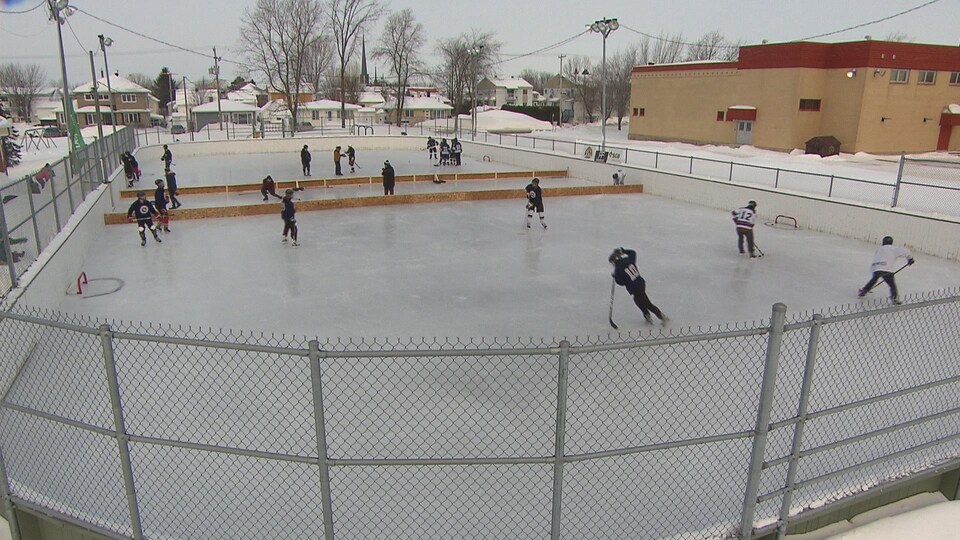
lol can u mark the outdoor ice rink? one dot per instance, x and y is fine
(464, 269)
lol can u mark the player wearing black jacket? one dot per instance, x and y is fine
(172, 188)
(534, 201)
(160, 202)
(289, 217)
(143, 211)
(625, 273)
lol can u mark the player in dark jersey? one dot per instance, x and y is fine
(172, 188)
(143, 211)
(625, 273)
(160, 203)
(289, 217)
(269, 187)
(534, 201)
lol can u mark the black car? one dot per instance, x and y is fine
(54, 131)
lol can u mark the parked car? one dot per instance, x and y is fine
(304, 126)
(177, 129)
(54, 131)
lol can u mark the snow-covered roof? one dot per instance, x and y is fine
(513, 83)
(370, 98)
(742, 107)
(117, 84)
(4, 123)
(226, 105)
(953, 108)
(418, 103)
(687, 63)
(326, 105)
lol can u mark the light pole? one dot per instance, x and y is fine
(59, 11)
(560, 96)
(104, 43)
(476, 51)
(604, 27)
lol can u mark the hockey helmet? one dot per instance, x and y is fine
(289, 191)
(752, 204)
(141, 194)
(887, 240)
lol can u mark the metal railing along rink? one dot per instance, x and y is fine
(147, 431)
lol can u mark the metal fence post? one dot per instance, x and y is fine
(120, 429)
(830, 191)
(656, 160)
(317, 384)
(553, 146)
(562, 373)
(86, 153)
(767, 388)
(812, 344)
(691, 165)
(776, 180)
(7, 503)
(626, 154)
(33, 215)
(534, 142)
(896, 188)
(53, 195)
(7, 248)
(731, 172)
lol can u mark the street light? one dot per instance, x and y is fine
(604, 27)
(59, 11)
(104, 43)
(475, 51)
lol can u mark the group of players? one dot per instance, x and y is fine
(142, 211)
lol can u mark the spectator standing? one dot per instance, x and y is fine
(336, 161)
(389, 178)
(305, 158)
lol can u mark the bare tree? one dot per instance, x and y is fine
(348, 18)
(619, 69)
(347, 89)
(21, 83)
(276, 37)
(586, 83)
(664, 49)
(400, 46)
(537, 78)
(140, 79)
(898, 36)
(317, 65)
(464, 60)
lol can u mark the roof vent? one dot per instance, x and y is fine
(868, 37)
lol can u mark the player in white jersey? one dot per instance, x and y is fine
(745, 218)
(882, 267)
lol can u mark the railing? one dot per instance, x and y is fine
(36, 207)
(142, 431)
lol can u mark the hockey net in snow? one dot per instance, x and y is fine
(784, 222)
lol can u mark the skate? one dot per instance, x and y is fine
(528, 225)
(544, 225)
(861, 293)
(284, 240)
(166, 229)
(295, 244)
(157, 237)
(143, 242)
(648, 319)
(896, 301)
(263, 199)
(664, 319)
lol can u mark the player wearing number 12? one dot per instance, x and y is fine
(745, 218)
(625, 273)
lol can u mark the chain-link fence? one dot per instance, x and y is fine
(36, 207)
(146, 431)
(929, 184)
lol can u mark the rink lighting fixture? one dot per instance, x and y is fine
(604, 27)
(852, 73)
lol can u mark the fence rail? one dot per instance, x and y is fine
(156, 432)
(37, 206)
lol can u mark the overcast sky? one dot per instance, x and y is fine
(521, 26)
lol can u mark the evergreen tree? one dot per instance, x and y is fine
(164, 88)
(11, 150)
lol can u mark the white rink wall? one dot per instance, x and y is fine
(318, 145)
(924, 233)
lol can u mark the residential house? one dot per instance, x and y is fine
(43, 102)
(130, 103)
(234, 112)
(873, 96)
(250, 94)
(500, 92)
(325, 111)
(418, 109)
(371, 98)
(560, 91)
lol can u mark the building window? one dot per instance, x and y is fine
(639, 111)
(128, 98)
(955, 78)
(809, 104)
(90, 120)
(900, 76)
(927, 77)
(719, 116)
(88, 97)
(407, 113)
(133, 118)
(314, 115)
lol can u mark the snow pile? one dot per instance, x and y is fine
(498, 121)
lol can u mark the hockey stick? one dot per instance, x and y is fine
(756, 247)
(879, 281)
(613, 289)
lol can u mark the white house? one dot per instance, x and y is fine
(371, 98)
(233, 111)
(250, 94)
(324, 111)
(558, 89)
(418, 109)
(500, 92)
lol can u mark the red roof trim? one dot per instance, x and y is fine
(948, 119)
(803, 54)
(741, 114)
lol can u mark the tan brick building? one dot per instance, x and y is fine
(132, 104)
(874, 96)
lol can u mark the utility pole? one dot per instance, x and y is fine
(186, 106)
(216, 74)
(560, 97)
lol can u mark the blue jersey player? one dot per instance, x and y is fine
(625, 273)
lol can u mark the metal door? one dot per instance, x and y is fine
(744, 132)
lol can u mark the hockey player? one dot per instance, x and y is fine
(619, 177)
(143, 211)
(745, 218)
(336, 161)
(305, 158)
(351, 158)
(166, 158)
(883, 261)
(389, 178)
(269, 187)
(172, 188)
(455, 150)
(534, 201)
(289, 217)
(431, 148)
(444, 152)
(625, 273)
(160, 203)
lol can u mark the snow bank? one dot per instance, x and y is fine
(497, 121)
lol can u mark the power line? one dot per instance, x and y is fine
(151, 38)
(544, 49)
(8, 12)
(895, 15)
